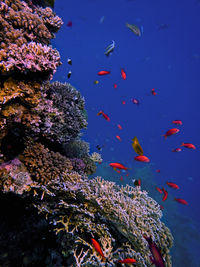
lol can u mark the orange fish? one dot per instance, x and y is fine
(97, 247)
(182, 201)
(123, 74)
(141, 158)
(115, 85)
(119, 126)
(104, 115)
(159, 190)
(171, 132)
(188, 145)
(118, 166)
(127, 260)
(123, 102)
(173, 185)
(153, 91)
(118, 137)
(165, 194)
(177, 122)
(103, 72)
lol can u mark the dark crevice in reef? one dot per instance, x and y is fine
(12, 143)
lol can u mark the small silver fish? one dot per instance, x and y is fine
(134, 29)
(110, 49)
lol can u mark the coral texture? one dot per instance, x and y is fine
(24, 35)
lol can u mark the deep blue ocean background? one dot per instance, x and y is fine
(166, 57)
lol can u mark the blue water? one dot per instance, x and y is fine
(164, 58)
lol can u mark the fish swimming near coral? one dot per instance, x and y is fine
(110, 49)
(97, 247)
(118, 166)
(157, 258)
(127, 261)
(136, 146)
(135, 29)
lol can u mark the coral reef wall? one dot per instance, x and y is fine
(50, 207)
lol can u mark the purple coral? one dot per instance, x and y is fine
(78, 165)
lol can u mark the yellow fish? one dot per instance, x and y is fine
(136, 146)
(134, 29)
(96, 82)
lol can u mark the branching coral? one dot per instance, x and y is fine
(71, 119)
(44, 165)
(24, 36)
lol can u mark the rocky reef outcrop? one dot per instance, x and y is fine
(50, 208)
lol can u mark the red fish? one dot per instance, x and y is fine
(127, 260)
(97, 247)
(165, 194)
(103, 72)
(118, 137)
(188, 145)
(137, 182)
(119, 126)
(69, 23)
(159, 190)
(158, 171)
(141, 158)
(161, 207)
(153, 91)
(182, 201)
(123, 102)
(173, 185)
(171, 132)
(121, 178)
(127, 174)
(177, 122)
(178, 149)
(157, 257)
(123, 74)
(104, 115)
(115, 85)
(118, 166)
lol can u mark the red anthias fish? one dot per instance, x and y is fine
(178, 149)
(123, 74)
(165, 194)
(177, 122)
(115, 85)
(128, 260)
(159, 190)
(123, 102)
(118, 137)
(103, 72)
(104, 115)
(188, 145)
(141, 158)
(171, 132)
(181, 201)
(121, 178)
(157, 257)
(119, 126)
(173, 185)
(153, 91)
(97, 247)
(158, 171)
(118, 166)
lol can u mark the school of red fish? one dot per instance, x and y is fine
(156, 258)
